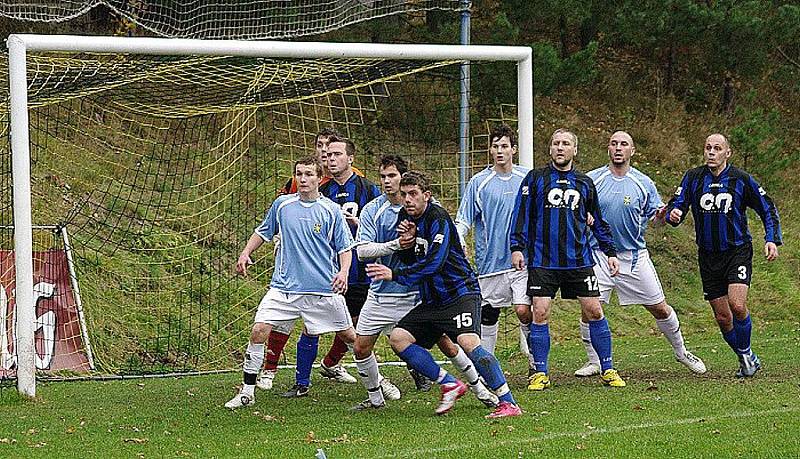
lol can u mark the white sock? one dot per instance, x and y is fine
(524, 334)
(671, 329)
(371, 378)
(591, 354)
(253, 358)
(489, 337)
(465, 366)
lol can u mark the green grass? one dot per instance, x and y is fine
(664, 412)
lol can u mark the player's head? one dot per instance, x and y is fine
(416, 192)
(502, 144)
(307, 173)
(340, 155)
(321, 144)
(392, 168)
(563, 148)
(716, 151)
(621, 148)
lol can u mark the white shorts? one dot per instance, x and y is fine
(505, 289)
(382, 312)
(636, 282)
(320, 314)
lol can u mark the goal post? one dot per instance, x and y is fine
(20, 45)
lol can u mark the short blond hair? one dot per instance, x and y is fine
(565, 131)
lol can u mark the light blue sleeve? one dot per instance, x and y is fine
(367, 227)
(269, 227)
(654, 201)
(467, 210)
(342, 239)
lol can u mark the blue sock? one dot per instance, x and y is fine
(600, 335)
(730, 338)
(743, 328)
(421, 360)
(539, 344)
(488, 367)
(306, 354)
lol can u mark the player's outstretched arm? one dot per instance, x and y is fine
(244, 260)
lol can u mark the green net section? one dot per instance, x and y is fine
(159, 169)
(231, 19)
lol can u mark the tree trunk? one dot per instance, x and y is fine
(562, 28)
(669, 79)
(728, 93)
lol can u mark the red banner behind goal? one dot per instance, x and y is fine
(59, 342)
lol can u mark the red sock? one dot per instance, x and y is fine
(338, 350)
(275, 345)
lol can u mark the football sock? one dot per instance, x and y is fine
(743, 329)
(275, 344)
(371, 378)
(253, 359)
(488, 367)
(489, 336)
(306, 354)
(334, 356)
(422, 361)
(465, 366)
(524, 339)
(539, 343)
(730, 338)
(587, 343)
(600, 335)
(671, 329)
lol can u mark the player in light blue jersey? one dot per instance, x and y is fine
(487, 205)
(387, 301)
(629, 200)
(310, 276)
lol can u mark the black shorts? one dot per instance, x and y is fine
(427, 324)
(355, 297)
(574, 283)
(720, 269)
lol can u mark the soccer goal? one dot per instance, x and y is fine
(161, 155)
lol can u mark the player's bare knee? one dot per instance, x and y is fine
(362, 348)
(659, 311)
(260, 333)
(348, 336)
(523, 313)
(469, 341)
(400, 339)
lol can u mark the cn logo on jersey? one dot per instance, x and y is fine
(563, 198)
(716, 202)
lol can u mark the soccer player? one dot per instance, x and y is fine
(449, 293)
(387, 302)
(628, 200)
(487, 205)
(281, 332)
(549, 228)
(718, 195)
(311, 271)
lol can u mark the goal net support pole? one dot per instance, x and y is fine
(20, 44)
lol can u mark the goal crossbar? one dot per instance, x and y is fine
(20, 44)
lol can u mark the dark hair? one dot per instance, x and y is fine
(417, 178)
(503, 130)
(350, 147)
(396, 161)
(325, 132)
(309, 161)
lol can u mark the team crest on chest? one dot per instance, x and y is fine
(317, 227)
(626, 200)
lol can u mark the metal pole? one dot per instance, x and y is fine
(525, 109)
(463, 143)
(23, 234)
(76, 292)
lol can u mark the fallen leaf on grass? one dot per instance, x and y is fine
(135, 440)
(580, 446)
(8, 441)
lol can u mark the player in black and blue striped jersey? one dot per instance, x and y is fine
(550, 228)
(718, 195)
(449, 293)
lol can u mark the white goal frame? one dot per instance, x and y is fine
(20, 44)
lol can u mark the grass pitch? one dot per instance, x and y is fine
(664, 412)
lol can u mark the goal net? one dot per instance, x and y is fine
(159, 167)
